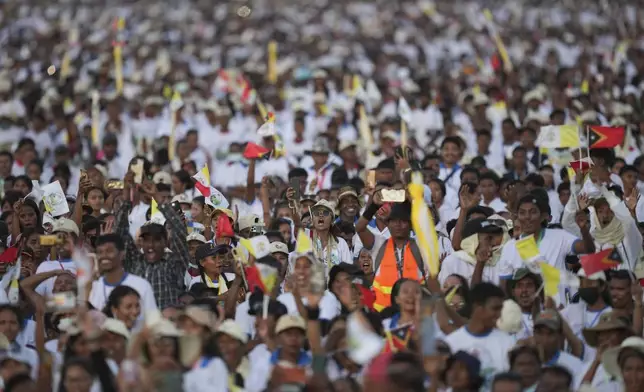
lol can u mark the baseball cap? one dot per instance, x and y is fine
(550, 319)
(153, 229)
(289, 321)
(162, 178)
(210, 249)
(201, 316)
(323, 204)
(232, 329)
(64, 225)
(181, 199)
(480, 225)
(248, 221)
(116, 327)
(278, 247)
(196, 236)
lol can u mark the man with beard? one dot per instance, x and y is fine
(110, 250)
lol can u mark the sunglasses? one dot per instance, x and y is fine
(322, 212)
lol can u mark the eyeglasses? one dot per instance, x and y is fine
(322, 212)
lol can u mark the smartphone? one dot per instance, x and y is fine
(114, 184)
(295, 184)
(371, 179)
(318, 283)
(137, 169)
(393, 195)
(62, 301)
(50, 240)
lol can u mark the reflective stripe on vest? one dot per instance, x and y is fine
(388, 274)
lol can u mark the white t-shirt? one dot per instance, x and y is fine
(491, 349)
(46, 288)
(570, 363)
(329, 304)
(579, 317)
(207, 375)
(554, 246)
(602, 382)
(454, 265)
(101, 291)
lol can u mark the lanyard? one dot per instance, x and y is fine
(594, 320)
(320, 177)
(400, 259)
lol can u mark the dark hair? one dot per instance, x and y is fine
(25, 142)
(111, 238)
(15, 310)
(115, 297)
(16, 381)
(412, 377)
(507, 377)
(519, 149)
(11, 197)
(26, 180)
(483, 210)
(74, 361)
(564, 186)
(32, 204)
(297, 172)
(628, 168)
(199, 200)
(483, 132)
(558, 371)
(535, 179)
(518, 350)
(454, 140)
(5, 215)
(184, 178)
(394, 308)
(607, 155)
(440, 184)
(164, 187)
(38, 163)
(470, 169)
(490, 175)
(6, 154)
(484, 291)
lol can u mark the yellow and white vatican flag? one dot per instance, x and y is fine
(423, 225)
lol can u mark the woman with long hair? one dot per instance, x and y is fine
(124, 304)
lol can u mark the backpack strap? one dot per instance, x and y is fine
(381, 253)
(418, 257)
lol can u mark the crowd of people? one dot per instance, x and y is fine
(269, 195)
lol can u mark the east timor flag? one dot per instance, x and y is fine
(397, 339)
(601, 261)
(605, 137)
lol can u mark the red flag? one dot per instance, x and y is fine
(582, 165)
(10, 255)
(254, 151)
(605, 137)
(263, 274)
(224, 228)
(597, 262)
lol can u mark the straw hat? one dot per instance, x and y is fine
(610, 359)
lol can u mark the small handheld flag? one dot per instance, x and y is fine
(600, 261)
(258, 246)
(397, 339)
(254, 151)
(202, 181)
(582, 165)
(304, 243)
(558, 136)
(605, 137)
(527, 248)
(423, 225)
(553, 277)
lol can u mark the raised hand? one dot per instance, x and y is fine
(631, 202)
(583, 200)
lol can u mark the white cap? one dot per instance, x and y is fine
(196, 236)
(181, 199)
(117, 327)
(162, 177)
(65, 225)
(279, 247)
(596, 276)
(289, 321)
(480, 99)
(232, 329)
(248, 221)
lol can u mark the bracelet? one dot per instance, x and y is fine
(370, 211)
(312, 313)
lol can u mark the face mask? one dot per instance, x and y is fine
(589, 295)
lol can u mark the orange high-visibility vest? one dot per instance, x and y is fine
(387, 274)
